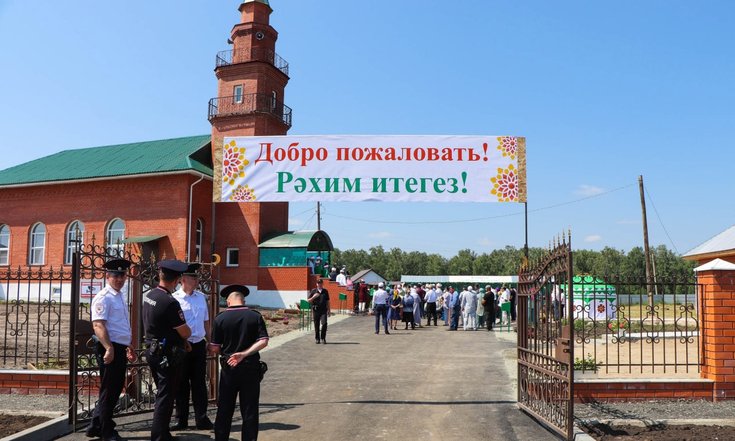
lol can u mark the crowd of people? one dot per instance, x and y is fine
(473, 308)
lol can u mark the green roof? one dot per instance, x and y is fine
(168, 155)
(311, 240)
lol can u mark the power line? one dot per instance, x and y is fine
(650, 198)
(548, 207)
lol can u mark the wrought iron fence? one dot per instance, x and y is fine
(34, 309)
(226, 58)
(624, 326)
(249, 103)
(545, 352)
(139, 390)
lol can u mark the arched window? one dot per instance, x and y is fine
(198, 241)
(4, 245)
(74, 235)
(114, 237)
(37, 250)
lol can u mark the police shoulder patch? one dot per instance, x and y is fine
(99, 307)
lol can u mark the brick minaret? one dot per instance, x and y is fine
(251, 79)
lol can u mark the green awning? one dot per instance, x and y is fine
(311, 240)
(142, 239)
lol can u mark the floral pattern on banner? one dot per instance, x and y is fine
(243, 193)
(233, 162)
(508, 145)
(505, 184)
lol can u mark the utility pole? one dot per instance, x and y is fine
(318, 216)
(646, 250)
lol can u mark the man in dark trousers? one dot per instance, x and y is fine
(238, 334)
(319, 299)
(112, 329)
(194, 368)
(166, 334)
(488, 301)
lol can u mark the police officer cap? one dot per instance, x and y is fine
(173, 265)
(226, 291)
(192, 269)
(117, 266)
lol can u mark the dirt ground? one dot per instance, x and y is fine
(10, 424)
(660, 433)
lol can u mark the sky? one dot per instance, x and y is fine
(602, 91)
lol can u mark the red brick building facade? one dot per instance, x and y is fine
(158, 195)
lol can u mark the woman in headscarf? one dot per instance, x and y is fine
(480, 308)
(409, 302)
(395, 308)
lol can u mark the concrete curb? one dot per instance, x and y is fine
(45, 431)
(672, 422)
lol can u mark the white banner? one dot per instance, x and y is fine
(386, 168)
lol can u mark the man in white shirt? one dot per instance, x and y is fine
(431, 297)
(194, 367)
(341, 278)
(113, 351)
(468, 298)
(380, 306)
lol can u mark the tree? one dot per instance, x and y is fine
(462, 263)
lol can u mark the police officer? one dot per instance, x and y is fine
(194, 367)
(112, 329)
(319, 299)
(166, 334)
(238, 334)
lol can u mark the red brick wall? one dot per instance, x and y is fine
(631, 390)
(717, 331)
(283, 278)
(34, 383)
(149, 205)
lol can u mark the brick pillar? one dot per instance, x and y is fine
(717, 330)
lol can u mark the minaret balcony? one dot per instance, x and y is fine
(247, 104)
(228, 58)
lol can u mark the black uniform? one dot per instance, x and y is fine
(236, 329)
(161, 314)
(489, 305)
(319, 309)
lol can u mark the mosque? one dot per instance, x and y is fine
(157, 196)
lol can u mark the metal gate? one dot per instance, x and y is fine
(545, 348)
(88, 277)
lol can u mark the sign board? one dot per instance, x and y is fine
(386, 168)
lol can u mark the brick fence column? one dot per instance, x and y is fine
(717, 330)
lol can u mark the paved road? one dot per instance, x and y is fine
(426, 384)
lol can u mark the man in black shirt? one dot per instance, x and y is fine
(166, 332)
(488, 301)
(238, 334)
(319, 299)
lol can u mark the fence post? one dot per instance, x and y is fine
(717, 330)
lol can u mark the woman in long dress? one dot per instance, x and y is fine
(395, 309)
(408, 307)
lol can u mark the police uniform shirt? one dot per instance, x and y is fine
(109, 305)
(195, 311)
(161, 314)
(236, 329)
(321, 303)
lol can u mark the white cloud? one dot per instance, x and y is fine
(380, 235)
(295, 221)
(593, 238)
(589, 190)
(485, 242)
